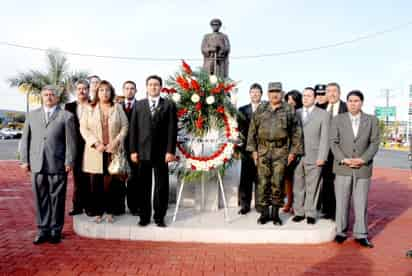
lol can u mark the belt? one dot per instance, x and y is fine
(275, 143)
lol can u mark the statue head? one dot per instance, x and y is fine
(216, 24)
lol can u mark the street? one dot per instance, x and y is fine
(384, 159)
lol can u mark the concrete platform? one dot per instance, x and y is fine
(209, 227)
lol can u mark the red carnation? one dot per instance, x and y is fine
(183, 83)
(165, 90)
(199, 122)
(198, 106)
(220, 109)
(195, 85)
(172, 90)
(186, 68)
(181, 112)
(193, 167)
(229, 87)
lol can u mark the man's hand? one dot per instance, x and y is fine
(255, 157)
(356, 163)
(291, 157)
(100, 147)
(169, 157)
(134, 157)
(320, 163)
(68, 169)
(25, 167)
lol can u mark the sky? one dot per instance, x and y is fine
(174, 29)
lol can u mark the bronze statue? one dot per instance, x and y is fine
(215, 50)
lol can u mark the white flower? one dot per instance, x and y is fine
(195, 98)
(176, 97)
(213, 79)
(210, 100)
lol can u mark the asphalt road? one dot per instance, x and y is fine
(384, 158)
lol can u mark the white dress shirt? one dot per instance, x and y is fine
(355, 120)
(335, 108)
(306, 112)
(48, 111)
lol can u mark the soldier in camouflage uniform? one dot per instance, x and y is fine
(275, 140)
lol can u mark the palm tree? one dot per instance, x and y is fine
(57, 73)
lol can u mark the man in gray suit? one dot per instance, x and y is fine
(48, 151)
(307, 177)
(354, 140)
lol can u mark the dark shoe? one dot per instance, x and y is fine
(364, 242)
(75, 212)
(340, 239)
(329, 216)
(244, 210)
(135, 214)
(57, 238)
(39, 239)
(298, 218)
(264, 216)
(160, 223)
(275, 216)
(310, 220)
(144, 222)
(409, 254)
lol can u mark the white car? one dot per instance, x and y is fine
(13, 132)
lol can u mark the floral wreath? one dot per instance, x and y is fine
(203, 104)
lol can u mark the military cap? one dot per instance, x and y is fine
(275, 86)
(320, 89)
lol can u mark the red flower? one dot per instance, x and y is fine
(195, 85)
(225, 160)
(183, 83)
(198, 106)
(229, 87)
(217, 89)
(199, 122)
(220, 109)
(172, 90)
(181, 112)
(165, 90)
(186, 68)
(193, 167)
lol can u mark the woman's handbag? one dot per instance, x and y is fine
(119, 165)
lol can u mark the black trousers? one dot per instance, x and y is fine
(80, 189)
(105, 191)
(132, 193)
(49, 198)
(327, 199)
(161, 189)
(248, 177)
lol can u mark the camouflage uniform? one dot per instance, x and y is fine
(274, 134)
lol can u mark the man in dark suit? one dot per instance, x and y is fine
(48, 150)
(80, 179)
(129, 105)
(248, 172)
(152, 142)
(354, 140)
(327, 197)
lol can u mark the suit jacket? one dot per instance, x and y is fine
(315, 135)
(345, 145)
(153, 137)
(49, 147)
(72, 108)
(92, 132)
(244, 122)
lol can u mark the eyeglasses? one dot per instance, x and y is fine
(320, 93)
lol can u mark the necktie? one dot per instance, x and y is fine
(47, 117)
(128, 107)
(331, 110)
(355, 126)
(152, 108)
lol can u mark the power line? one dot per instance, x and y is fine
(274, 54)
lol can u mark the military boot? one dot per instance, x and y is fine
(275, 215)
(264, 215)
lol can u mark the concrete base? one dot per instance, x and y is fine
(209, 227)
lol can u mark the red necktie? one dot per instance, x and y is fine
(128, 107)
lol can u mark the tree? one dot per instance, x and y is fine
(57, 74)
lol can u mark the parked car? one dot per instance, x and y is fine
(15, 133)
(4, 136)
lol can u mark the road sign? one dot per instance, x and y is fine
(383, 112)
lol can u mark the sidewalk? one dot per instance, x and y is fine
(390, 226)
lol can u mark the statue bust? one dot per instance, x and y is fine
(215, 50)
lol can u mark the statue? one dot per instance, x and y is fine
(215, 50)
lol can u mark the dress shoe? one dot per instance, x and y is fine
(364, 242)
(75, 212)
(244, 210)
(144, 222)
(310, 220)
(298, 218)
(160, 223)
(329, 216)
(56, 238)
(264, 216)
(41, 238)
(340, 239)
(275, 216)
